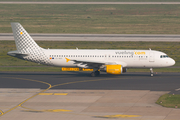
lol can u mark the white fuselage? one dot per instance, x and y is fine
(127, 58)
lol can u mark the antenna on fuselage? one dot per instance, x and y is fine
(150, 49)
(76, 48)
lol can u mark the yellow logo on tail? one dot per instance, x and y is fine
(21, 33)
(67, 60)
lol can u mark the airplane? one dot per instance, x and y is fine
(100, 60)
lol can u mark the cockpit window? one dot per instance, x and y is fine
(163, 56)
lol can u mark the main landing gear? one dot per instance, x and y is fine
(151, 72)
(95, 73)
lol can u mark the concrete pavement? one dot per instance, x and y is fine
(97, 37)
(85, 104)
(143, 3)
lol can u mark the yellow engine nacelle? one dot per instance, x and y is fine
(114, 69)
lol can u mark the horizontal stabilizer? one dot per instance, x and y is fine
(17, 54)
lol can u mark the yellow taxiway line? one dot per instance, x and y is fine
(59, 110)
(60, 93)
(20, 105)
(45, 94)
(1, 112)
(117, 116)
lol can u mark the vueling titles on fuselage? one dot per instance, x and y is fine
(131, 53)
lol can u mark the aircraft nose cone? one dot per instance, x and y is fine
(172, 62)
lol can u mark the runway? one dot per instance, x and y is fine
(77, 96)
(143, 3)
(98, 37)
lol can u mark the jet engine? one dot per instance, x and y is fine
(114, 69)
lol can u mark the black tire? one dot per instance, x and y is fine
(152, 75)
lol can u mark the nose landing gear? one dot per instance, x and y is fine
(151, 72)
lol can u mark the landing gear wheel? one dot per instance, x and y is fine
(151, 72)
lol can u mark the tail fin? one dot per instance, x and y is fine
(26, 47)
(24, 42)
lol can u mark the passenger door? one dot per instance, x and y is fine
(151, 57)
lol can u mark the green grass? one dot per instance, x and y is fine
(99, 0)
(156, 70)
(98, 19)
(30, 69)
(169, 100)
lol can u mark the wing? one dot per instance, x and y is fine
(88, 64)
(95, 64)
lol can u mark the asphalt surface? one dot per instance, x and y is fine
(15, 2)
(97, 37)
(77, 96)
(83, 81)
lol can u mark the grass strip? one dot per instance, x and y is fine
(30, 69)
(169, 100)
(92, 19)
(156, 70)
(95, 0)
